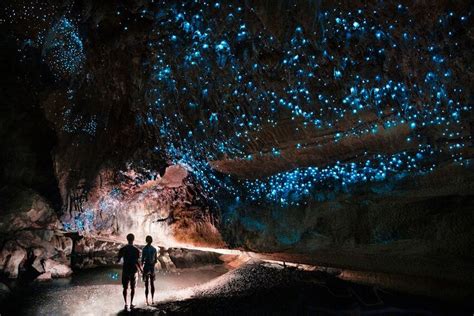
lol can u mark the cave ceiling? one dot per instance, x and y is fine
(268, 102)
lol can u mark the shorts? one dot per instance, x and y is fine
(127, 278)
(148, 273)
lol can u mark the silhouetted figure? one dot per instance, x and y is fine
(131, 265)
(149, 259)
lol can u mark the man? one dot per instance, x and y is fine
(131, 265)
(149, 259)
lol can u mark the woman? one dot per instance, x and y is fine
(149, 259)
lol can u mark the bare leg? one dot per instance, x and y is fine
(132, 294)
(125, 297)
(152, 284)
(146, 290)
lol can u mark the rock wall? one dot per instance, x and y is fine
(168, 207)
(435, 209)
(91, 252)
(32, 242)
(415, 227)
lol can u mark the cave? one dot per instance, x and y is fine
(286, 156)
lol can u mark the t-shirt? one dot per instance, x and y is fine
(149, 256)
(130, 255)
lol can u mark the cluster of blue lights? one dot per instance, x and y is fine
(62, 46)
(34, 17)
(212, 91)
(74, 123)
(220, 78)
(306, 183)
(63, 49)
(83, 221)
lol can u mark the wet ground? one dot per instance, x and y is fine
(99, 292)
(254, 288)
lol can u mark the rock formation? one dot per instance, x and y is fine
(32, 237)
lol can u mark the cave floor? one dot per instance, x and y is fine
(98, 291)
(254, 287)
(263, 288)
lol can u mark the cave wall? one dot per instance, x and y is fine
(417, 227)
(31, 241)
(26, 137)
(167, 207)
(431, 213)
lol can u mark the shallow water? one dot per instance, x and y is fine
(99, 292)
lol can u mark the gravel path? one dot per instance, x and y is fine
(258, 288)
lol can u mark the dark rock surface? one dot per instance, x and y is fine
(4, 292)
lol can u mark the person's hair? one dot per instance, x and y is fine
(130, 237)
(149, 240)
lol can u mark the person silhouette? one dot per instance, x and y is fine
(149, 259)
(131, 265)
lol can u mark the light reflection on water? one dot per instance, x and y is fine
(99, 291)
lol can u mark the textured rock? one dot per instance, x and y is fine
(184, 258)
(57, 270)
(44, 276)
(30, 229)
(174, 176)
(42, 247)
(26, 209)
(90, 252)
(38, 265)
(165, 261)
(13, 263)
(11, 257)
(169, 208)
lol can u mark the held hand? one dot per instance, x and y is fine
(139, 267)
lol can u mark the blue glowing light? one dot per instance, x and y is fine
(63, 49)
(220, 94)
